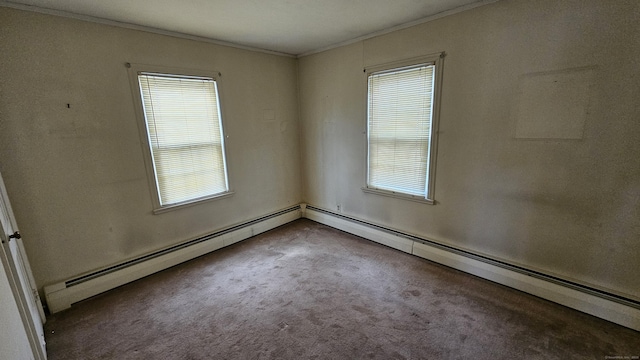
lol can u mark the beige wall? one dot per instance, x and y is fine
(76, 176)
(566, 207)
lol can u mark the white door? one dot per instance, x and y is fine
(16, 264)
(14, 342)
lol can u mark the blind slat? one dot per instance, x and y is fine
(185, 136)
(399, 121)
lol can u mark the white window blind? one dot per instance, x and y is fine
(399, 123)
(185, 136)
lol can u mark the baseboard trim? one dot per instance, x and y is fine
(60, 296)
(608, 306)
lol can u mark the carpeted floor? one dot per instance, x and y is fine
(307, 291)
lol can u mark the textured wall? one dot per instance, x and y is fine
(76, 176)
(567, 207)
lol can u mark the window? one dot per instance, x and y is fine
(184, 136)
(402, 116)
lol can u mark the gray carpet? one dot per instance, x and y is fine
(307, 291)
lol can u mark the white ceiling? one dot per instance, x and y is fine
(287, 26)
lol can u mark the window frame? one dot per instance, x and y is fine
(134, 70)
(436, 60)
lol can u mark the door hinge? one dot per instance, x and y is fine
(15, 235)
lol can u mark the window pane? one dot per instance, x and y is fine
(399, 120)
(185, 136)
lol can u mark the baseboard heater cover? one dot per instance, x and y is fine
(60, 296)
(596, 302)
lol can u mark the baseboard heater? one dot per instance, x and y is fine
(60, 296)
(606, 305)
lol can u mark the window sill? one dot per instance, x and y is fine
(188, 203)
(397, 195)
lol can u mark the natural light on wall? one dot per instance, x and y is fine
(184, 127)
(399, 129)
